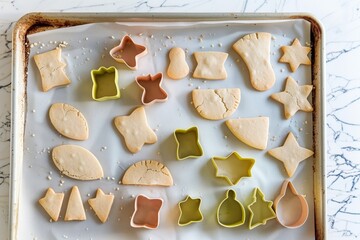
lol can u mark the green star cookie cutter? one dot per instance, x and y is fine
(188, 145)
(233, 167)
(260, 210)
(189, 211)
(230, 213)
(105, 84)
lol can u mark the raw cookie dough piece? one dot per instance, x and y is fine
(101, 204)
(210, 65)
(77, 162)
(215, 104)
(291, 154)
(51, 69)
(295, 55)
(52, 203)
(75, 208)
(294, 98)
(254, 49)
(251, 131)
(148, 172)
(178, 68)
(69, 121)
(135, 130)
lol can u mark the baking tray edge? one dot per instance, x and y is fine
(35, 22)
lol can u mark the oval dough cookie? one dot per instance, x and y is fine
(77, 162)
(216, 104)
(148, 172)
(178, 68)
(69, 121)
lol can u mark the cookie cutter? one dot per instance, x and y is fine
(189, 211)
(291, 208)
(233, 167)
(260, 210)
(151, 87)
(188, 145)
(128, 52)
(230, 212)
(105, 84)
(147, 212)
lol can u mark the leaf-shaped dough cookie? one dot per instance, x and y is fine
(69, 121)
(77, 162)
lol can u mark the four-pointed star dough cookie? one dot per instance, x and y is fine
(52, 203)
(101, 204)
(75, 208)
(210, 65)
(135, 130)
(294, 98)
(295, 55)
(51, 69)
(291, 154)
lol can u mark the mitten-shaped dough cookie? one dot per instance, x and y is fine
(254, 49)
(178, 68)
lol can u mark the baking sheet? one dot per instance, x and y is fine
(88, 49)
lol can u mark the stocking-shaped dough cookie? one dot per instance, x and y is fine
(254, 49)
(178, 68)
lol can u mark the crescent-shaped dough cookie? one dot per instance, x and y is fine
(148, 172)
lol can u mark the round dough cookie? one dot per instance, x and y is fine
(216, 104)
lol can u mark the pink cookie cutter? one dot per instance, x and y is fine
(147, 212)
(152, 90)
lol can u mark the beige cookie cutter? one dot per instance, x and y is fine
(147, 212)
(152, 90)
(291, 208)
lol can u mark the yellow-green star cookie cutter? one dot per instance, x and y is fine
(232, 167)
(188, 144)
(260, 210)
(189, 211)
(230, 212)
(105, 83)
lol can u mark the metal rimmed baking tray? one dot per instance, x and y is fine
(45, 22)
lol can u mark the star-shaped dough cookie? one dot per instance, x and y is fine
(190, 211)
(295, 55)
(210, 65)
(52, 203)
(101, 204)
(135, 130)
(147, 212)
(128, 52)
(233, 167)
(291, 154)
(294, 98)
(51, 69)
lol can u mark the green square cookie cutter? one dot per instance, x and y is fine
(188, 144)
(105, 84)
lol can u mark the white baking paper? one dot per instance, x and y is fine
(88, 48)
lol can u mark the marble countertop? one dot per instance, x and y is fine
(342, 23)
